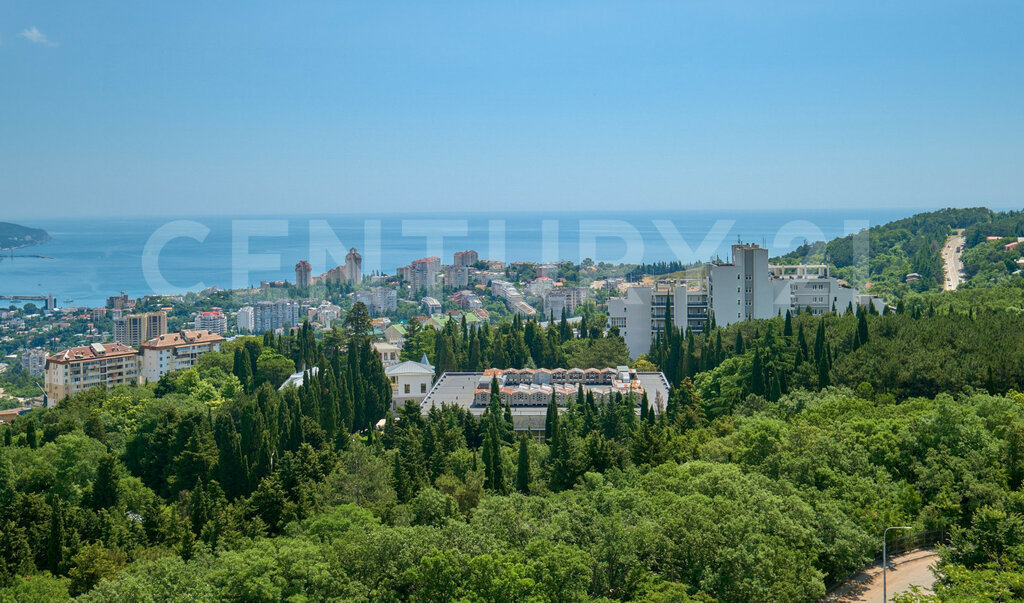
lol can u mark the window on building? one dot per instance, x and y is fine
(423, 388)
(407, 388)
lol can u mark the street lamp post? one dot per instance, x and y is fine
(885, 560)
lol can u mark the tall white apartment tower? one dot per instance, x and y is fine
(740, 290)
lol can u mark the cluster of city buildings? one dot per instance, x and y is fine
(351, 272)
(513, 298)
(466, 268)
(745, 288)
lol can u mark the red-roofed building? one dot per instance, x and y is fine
(176, 352)
(77, 369)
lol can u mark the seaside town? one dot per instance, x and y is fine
(469, 302)
(53, 352)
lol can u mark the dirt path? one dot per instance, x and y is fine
(910, 569)
(952, 265)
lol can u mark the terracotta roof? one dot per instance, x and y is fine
(92, 352)
(182, 338)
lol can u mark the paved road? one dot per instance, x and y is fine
(952, 265)
(911, 569)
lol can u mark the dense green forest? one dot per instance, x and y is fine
(878, 259)
(785, 447)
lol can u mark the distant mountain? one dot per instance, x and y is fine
(14, 236)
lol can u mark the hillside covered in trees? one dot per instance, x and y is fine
(15, 236)
(786, 446)
(878, 259)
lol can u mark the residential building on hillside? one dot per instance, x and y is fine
(522, 309)
(540, 285)
(326, 313)
(120, 302)
(274, 315)
(133, 329)
(466, 258)
(353, 266)
(743, 289)
(484, 277)
(213, 321)
(34, 361)
(395, 335)
(410, 381)
(467, 300)
(78, 369)
(421, 274)
(378, 300)
(175, 352)
(431, 306)
(456, 276)
(563, 298)
(388, 353)
(303, 274)
(350, 272)
(246, 319)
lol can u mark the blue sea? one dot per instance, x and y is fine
(91, 259)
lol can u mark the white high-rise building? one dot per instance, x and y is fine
(246, 319)
(743, 289)
(213, 321)
(739, 290)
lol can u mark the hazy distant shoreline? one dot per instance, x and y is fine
(15, 236)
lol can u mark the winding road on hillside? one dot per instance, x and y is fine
(910, 569)
(952, 264)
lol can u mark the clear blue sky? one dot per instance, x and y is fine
(256, 107)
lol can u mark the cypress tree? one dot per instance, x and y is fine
(523, 470)
(31, 437)
(104, 489)
(497, 469)
(756, 374)
(776, 389)
(823, 378)
(802, 341)
(233, 471)
(345, 408)
(329, 403)
(739, 343)
(862, 328)
(507, 426)
(401, 479)
(474, 359)
(787, 330)
(551, 419)
(55, 538)
(819, 341)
